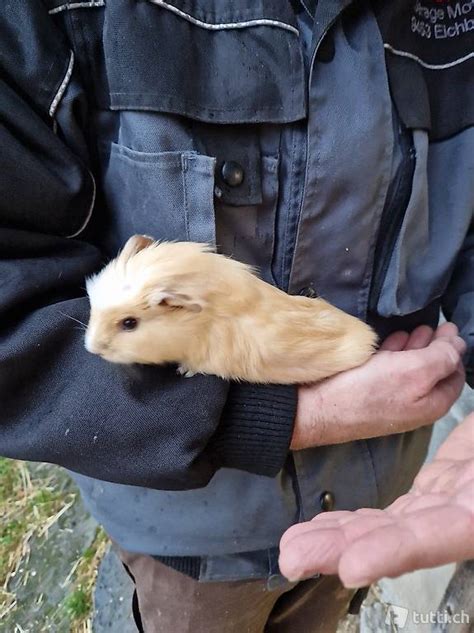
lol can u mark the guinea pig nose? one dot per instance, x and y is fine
(94, 347)
(90, 347)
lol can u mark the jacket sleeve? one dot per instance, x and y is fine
(458, 302)
(136, 425)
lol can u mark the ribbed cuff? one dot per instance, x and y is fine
(256, 428)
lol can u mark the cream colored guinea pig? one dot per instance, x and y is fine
(179, 302)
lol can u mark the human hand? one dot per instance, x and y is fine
(410, 382)
(431, 525)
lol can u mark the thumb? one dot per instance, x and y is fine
(435, 362)
(395, 342)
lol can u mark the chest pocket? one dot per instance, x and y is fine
(426, 227)
(430, 66)
(179, 89)
(430, 62)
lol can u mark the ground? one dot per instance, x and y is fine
(49, 551)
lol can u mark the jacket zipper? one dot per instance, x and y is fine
(393, 215)
(291, 461)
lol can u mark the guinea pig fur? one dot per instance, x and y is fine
(180, 302)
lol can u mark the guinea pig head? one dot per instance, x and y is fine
(149, 304)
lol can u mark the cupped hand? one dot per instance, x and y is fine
(410, 382)
(431, 525)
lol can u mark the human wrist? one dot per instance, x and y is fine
(328, 413)
(309, 425)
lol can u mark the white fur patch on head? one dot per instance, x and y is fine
(111, 287)
(123, 280)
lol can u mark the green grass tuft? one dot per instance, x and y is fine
(78, 603)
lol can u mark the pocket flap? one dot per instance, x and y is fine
(34, 56)
(430, 62)
(237, 63)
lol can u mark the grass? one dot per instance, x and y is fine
(78, 603)
(33, 502)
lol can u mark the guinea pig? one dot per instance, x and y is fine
(180, 302)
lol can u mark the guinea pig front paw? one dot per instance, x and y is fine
(184, 371)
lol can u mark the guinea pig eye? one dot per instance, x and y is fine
(129, 324)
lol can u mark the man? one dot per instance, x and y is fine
(282, 133)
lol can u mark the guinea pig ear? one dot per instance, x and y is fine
(160, 297)
(134, 245)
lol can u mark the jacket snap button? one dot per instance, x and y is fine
(309, 292)
(232, 173)
(327, 501)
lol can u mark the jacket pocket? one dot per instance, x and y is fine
(430, 63)
(193, 78)
(168, 195)
(415, 267)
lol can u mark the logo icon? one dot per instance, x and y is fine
(397, 616)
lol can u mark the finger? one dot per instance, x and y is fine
(329, 520)
(452, 385)
(395, 342)
(460, 442)
(446, 329)
(435, 537)
(454, 479)
(315, 546)
(434, 363)
(323, 520)
(455, 341)
(295, 531)
(445, 393)
(315, 551)
(381, 557)
(420, 337)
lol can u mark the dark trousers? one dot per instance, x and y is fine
(170, 602)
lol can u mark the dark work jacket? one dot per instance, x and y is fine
(330, 144)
